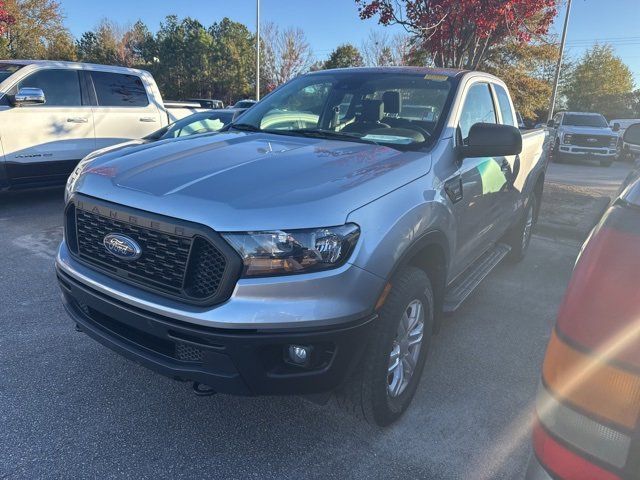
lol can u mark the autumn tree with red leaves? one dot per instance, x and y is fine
(461, 34)
(6, 18)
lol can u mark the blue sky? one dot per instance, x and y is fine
(327, 23)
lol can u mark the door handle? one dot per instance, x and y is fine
(147, 119)
(77, 120)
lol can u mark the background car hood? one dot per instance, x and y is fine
(251, 181)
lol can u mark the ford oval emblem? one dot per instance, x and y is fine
(122, 247)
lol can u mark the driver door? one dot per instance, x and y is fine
(476, 186)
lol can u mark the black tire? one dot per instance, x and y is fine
(519, 237)
(556, 155)
(606, 163)
(366, 392)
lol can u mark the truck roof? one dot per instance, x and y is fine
(77, 65)
(449, 72)
(583, 113)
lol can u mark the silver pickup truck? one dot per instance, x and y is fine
(311, 247)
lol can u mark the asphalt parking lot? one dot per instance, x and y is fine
(70, 408)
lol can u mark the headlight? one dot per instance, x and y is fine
(613, 142)
(567, 138)
(294, 251)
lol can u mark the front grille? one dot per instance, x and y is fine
(162, 263)
(582, 140)
(189, 265)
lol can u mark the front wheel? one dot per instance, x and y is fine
(387, 378)
(556, 156)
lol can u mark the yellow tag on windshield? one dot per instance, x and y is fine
(435, 77)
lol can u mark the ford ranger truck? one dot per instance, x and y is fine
(581, 135)
(310, 247)
(52, 114)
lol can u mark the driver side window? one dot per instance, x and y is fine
(478, 108)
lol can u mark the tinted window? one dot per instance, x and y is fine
(505, 106)
(578, 120)
(118, 90)
(8, 69)
(61, 87)
(478, 108)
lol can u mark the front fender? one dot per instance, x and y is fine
(395, 225)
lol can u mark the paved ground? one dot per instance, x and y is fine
(575, 196)
(69, 408)
(599, 180)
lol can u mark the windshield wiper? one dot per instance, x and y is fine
(245, 127)
(321, 133)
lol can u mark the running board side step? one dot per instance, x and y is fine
(471, 278)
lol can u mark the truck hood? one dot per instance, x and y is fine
(251, 181)
(588, 130)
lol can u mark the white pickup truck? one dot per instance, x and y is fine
(52, 114)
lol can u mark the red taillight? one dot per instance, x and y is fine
(588, 407)
(564, 463)
(601, 308)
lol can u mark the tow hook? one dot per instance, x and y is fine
(203, 390)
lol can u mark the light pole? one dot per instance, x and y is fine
(559, 65)
(257, 49)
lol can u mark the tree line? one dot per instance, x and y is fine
(192, 60)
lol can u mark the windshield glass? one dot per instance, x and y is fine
(8, 69)
(398, 109)
(244, 104)
(193, 125)
(578, 120)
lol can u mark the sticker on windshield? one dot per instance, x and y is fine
(436, 77)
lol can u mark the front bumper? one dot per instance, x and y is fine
(588, 151)
(241, 362)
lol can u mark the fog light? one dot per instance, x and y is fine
(299, 355)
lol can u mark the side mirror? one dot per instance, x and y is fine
(632, 134)
(491, 140)
(616, 127)
(29, 96)
(551, 123)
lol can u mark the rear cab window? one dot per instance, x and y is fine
(119, 90)
(504, 104)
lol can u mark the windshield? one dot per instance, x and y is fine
(396, 109)
(578, 120)
(8, 69)
(193, 125)
(244, 104)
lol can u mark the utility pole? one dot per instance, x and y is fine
(559, 65)
(257, 49)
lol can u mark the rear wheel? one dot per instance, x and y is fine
(520, 237)
(386, 380)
